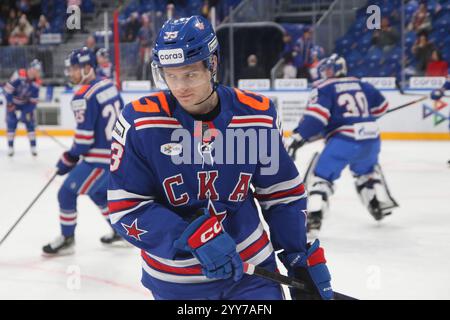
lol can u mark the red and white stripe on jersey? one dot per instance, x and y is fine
(157, 122)
(90, 180)
(348, 131)
(318, 112)
(251, 121)
(280, 193)
(255, 249)
(18, 101)
(380, 110)
(84, 136)
(122, 202)
(95, 155)
(97, 86)
(68, 218)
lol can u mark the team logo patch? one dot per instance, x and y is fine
(171, 149)
(200, 25)
(172, 56)
(170, 35)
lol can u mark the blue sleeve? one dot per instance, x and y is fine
(135, 211)
(377, 103)
(317, 114)
(11, 86)
(282, 196)
(86, 113)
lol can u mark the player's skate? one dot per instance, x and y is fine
(61, 246)
(113, 239)
(374, 194)
(33, 151)
(10, 151)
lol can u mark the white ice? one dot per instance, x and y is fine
(405, 256)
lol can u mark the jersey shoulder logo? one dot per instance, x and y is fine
(252, 100)
(153, 103)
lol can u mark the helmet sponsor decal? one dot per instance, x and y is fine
(172, 56)
(212, 45)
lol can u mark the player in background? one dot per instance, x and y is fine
(196, 223)
(104, 66)
(437, 95)
(22, 93)
(343, 110)
(96, 106)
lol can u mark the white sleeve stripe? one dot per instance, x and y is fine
(317, 116)
(120, 194)
(268, 204)
(320, 107)
(84, 141)
(115, 217)
(84, 132)
(380, 107)
(284, 185)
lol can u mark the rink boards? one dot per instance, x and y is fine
(427, 119)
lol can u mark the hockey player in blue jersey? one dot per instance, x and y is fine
(96, 106)
(343, 110)
(438, 94)
(22, 93)
(197, 223)
(104, 66)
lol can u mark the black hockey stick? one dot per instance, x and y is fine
(288, 281)
(407, 104)
(29, 207)
(403, 93)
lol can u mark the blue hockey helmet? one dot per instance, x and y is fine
(81, 57)
(336, 64)
(35, 64)
(185, 41)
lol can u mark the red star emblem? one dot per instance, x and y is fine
(213, 212)
(133, 230)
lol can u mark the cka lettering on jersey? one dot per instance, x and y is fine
(173, 188)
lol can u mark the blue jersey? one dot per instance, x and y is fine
(96, 107)
(446, 85)
(345, 107)
(105, 70)
(22, 91)
(152, 198)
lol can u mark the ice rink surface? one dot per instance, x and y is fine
(405, 256)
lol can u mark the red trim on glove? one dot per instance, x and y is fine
(210, 229)
(317, 257)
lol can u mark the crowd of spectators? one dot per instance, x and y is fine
(301, 55)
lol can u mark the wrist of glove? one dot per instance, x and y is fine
(66, 163)
(436, 94)
(213, 247)
(297, 143)
(311, 269)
